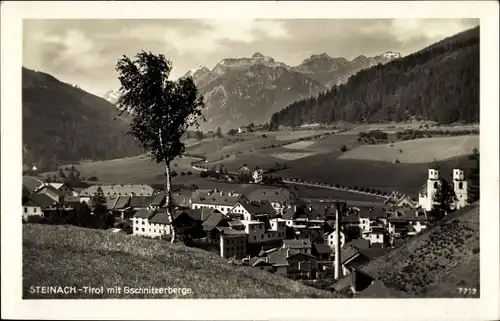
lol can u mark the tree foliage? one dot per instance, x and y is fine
(473, 180)
(439, 83)
(163, 109)
(444, 198)
(98, 200)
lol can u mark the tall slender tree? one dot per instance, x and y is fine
(443, 198)
(163, 109)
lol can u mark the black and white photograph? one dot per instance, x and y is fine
(251, 155)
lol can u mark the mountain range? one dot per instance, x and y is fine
(238, 91)
(438, 83)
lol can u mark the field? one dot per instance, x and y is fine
(384, 176)
(436, 263)
(319, 160)
(291, 156)
(131, 170)
(66, 255)
(423, 150)
(299, 145)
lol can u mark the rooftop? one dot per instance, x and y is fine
(273, 195)
(144, 213)
(120, 189)
(258, 207)
(140, 201)
(41, 200)
(372, 212)
(215, 197)
(297, 244)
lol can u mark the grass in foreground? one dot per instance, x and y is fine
(72, 256)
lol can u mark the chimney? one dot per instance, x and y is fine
(338, 211)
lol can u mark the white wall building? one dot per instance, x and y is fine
(428, 190)
(460, 188)
(331, 241)
(215, 199)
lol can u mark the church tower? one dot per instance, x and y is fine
(432, 187)
(460, 188)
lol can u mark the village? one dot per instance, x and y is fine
(271, 228)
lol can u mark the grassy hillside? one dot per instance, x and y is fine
(424, 150)
(436, 263)
(66, 255)
(62, 123)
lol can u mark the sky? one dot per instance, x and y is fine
(85, 52)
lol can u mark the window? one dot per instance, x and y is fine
(137, 229)
(34, 210)
(262, 236)
(435, 184)
(25, 210)
(143, 229)
(254, 237)
(460, 185)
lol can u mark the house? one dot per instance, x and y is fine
(32, 208)
(357, 243)
(262, 264)
(51, 192)
(232, 242)
(71, 201)
(77, 190)
(375, 236)
(321, 251)
(370, 217)
(61, 187)
(309, 222)
(302, 266)
(141, 225)
(406, 221)
(180, 199)
(183, 221)
(116, 190)
(257, 175)
(250, 210)
(331, 241)
(140, 202)
(242, 129)
(121, 207)
(211, 219)
(264, 230)
(301, 245)
(215, 199)
(155, 223)
(400, 201)
(351, 259)
(280, 198)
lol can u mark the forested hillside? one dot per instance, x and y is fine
(439, 83)
(62, 123)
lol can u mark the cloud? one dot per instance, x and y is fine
(73, 50)
(210, 35)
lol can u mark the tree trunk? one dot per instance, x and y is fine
(168, 184)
